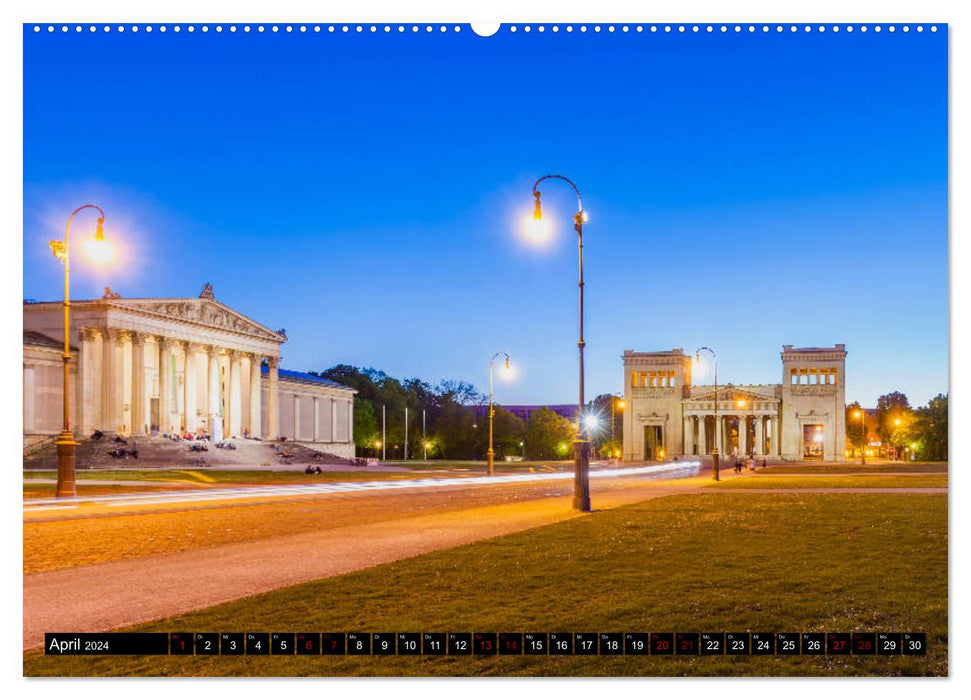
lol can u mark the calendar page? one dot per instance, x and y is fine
(533, 349)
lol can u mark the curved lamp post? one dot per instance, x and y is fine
(491, 454)
(714, 448)
(581, 446)
(66, 445)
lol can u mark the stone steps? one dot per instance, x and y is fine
(159, 452)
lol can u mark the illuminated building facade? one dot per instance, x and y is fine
(174, 365)
(801, 418)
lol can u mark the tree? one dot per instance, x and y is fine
(453, 431)
(548, 435)
(366, 428)
(508, 431)
(894, 417)
(930, 430)
(855, 431)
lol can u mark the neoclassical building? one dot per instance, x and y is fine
(140, 366)
(801, 418)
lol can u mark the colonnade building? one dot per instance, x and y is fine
(666, 415)
(179, 365)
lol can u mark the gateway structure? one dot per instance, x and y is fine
(143, 366)
(802, 418)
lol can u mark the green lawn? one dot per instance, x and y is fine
(759, 480)
(857, 468)
(713, 562)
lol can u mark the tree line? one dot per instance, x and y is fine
(901, 429)
(455, 417)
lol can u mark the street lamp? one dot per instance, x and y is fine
(859, 414)
(98, 248)
(491, 454)
(714, 447)
(581, 447)
(621, 404)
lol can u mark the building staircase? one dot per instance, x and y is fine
(162, 452)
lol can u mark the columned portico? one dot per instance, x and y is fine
(167, 366)
(802, 418)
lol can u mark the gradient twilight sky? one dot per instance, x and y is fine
(363, 191)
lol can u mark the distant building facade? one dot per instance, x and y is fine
(667, 415)
(174, 365)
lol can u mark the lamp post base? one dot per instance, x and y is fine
(714, 465)
(581, 475)
(66, 487)
(490, 461)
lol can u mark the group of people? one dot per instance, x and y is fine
(747, 462)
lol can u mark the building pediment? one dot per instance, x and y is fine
(204, 311)
(730, 394)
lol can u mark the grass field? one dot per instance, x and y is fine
(759, 480)
(857, 468)
(711, 562)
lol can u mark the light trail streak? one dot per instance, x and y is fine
(671, 470)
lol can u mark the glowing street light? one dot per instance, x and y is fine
(491, 454)
(581, 446)
(619, 403)
(66, 445)
(591, 422)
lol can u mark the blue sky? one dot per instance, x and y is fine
(364, 191)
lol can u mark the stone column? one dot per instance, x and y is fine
(112, 405)
(687, 439)
(192, 391)
(272, 400)
(333, 420)
(165, 380)
(316, 419)
(138, 384)
(235, 402)
(29, 394)
(350, 422)
(85, 406)
(743, 435)
(214, 409)
(255, 397)
(702, 435)
(759, 435)
(296, 417)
